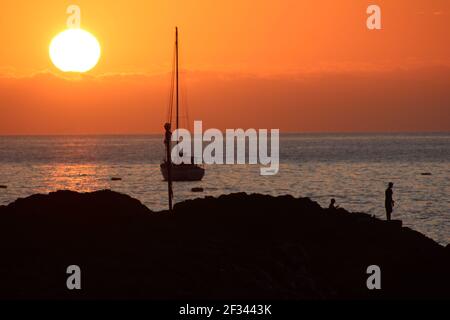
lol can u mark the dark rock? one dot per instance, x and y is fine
(197, 189)
(3, 187)
(395, 223)
(116, 179)
(236, 246)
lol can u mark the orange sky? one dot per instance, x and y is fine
(294, 65)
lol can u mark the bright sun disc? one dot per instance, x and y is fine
(74, 50)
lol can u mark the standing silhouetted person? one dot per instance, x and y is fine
(389, 201)
(167, 142)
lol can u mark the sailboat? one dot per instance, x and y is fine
(184, 171)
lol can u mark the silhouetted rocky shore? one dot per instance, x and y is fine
(235, 246)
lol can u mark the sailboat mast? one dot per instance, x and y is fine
(176, 66)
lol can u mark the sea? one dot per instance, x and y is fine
(352, 168)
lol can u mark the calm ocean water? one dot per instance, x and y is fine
(353, 168)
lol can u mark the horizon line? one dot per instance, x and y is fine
(161, 133)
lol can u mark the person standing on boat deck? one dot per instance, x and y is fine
(167, 142)
(389, 201)
(167, 136)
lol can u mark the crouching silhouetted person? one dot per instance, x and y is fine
(389, 201)
(333, 205)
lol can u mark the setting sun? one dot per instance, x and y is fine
(74, 50)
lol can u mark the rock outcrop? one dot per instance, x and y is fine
(234, 246)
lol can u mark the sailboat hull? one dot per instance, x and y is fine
(183, 172)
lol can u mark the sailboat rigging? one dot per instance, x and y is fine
(184, 171)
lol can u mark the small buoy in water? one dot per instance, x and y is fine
(3, 187)
(116, 179)
(426, 173)
(197, 189)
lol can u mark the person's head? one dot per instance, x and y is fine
(391, 184)
(167, 126)
(333, 201)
